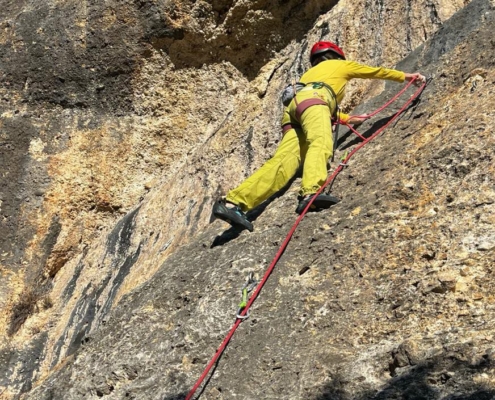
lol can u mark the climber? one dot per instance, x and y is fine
(307, 139)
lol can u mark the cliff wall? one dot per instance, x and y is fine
(121, 124)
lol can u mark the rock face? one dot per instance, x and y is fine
(121, 123)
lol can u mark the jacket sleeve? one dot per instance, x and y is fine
(344, 117)
(356, 70)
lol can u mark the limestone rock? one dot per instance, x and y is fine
(121, 123)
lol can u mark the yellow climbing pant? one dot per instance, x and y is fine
(309, 142)
(273, 175)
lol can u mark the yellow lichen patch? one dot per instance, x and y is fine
(486, 379)
(148, 308)
(425, 135)
(186, 363)
(168, 326)
(356, 211)
(36, 148)
(5, 33)
(87, 189)
(180, 122)
(318, 298)
(7, 394)
(404, 232)
(7, 114)
(422, 203)
(90, 174)
(181, 14)
(108, 18)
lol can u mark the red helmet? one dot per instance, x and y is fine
(322, 47)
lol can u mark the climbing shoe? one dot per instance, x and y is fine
(232, 214)
(322, 201)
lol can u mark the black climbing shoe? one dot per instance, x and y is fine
(322, 201)
(233, 215)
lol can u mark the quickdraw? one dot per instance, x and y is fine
(250, 284)
(342, 159)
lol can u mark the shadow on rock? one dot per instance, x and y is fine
(411, 108)
(226, 236)
(445, 377)
(368, 133)
(180, 396)
(237, 33)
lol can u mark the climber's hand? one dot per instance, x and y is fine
(417, 77)
(357, 119)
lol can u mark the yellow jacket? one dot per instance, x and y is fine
(336, 74)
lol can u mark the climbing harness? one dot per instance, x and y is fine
(250, 284)
(305, 104)
(283, 246)
(291, 90)
(290, 93)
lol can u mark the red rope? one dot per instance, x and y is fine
(378, 110)
(284, 244)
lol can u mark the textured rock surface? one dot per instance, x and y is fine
(117, 132)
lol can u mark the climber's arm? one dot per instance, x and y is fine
(356, 70)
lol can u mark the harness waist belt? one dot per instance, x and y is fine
(305, 104)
